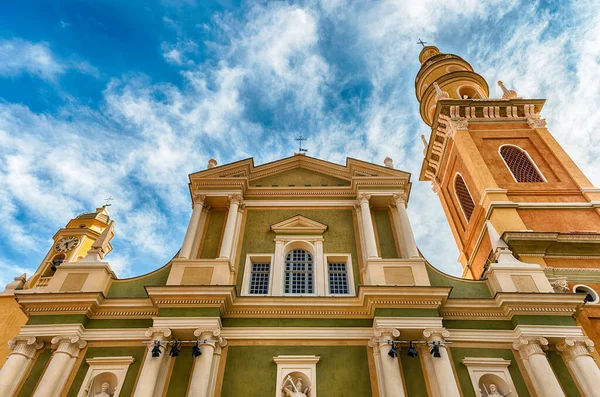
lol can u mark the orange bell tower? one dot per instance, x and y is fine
(493, 159)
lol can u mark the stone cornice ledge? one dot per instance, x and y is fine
(408, 323)
(47, 332)
(175, 323)
(199, 296)
(58, 302)
(553, 333)
(505, 305)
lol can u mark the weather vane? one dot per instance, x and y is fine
(110, 198)
(300, 139)
(422, 42)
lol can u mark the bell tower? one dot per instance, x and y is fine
(73, 242)
(499, 172)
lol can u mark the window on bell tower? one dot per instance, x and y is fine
(520, 164)
(464, 197)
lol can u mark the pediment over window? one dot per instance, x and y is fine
(299, 225)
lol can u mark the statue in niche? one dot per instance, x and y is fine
(103, 390)
(291, 389)
(492, 391)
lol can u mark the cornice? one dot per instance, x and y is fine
(505, 305)
(553, 333)
(453, 114)
(58, 302)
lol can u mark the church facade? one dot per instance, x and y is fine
(302, 278)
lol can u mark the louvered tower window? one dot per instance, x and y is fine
(520, 165)
(464, 197)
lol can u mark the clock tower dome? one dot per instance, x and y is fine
(72, 243)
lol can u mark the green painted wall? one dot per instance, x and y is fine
(563, 374)
(463, 374)
(296, 322)
(543, 320)
(342, 371)
(58, 319)
(300, 177)
(258, 237)
(134, 287)
(385, 312)
(35, 374)
(189, 312)
(180, 377)
(509, 324)
(212, 238)
(413, 374)
(385, 235)
(137, 352)
(460, 288)
(119, 323)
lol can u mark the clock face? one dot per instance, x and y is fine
(66, 244)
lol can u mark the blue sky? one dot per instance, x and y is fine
(102, 98)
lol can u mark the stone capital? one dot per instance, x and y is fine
(399, 199)
(210, 336)
(456, 124)
(386, 333)
(528, 346)
(435, 186)
(68, 344)
(25, 345)
(156, 333)
(199, 199)
(536, 122)
(362, 198)
(436, 334)
(575, 347)
(235, 198)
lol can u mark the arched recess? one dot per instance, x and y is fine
(469, 92)
(520, 164)
(464, 197)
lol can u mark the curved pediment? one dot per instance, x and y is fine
(299, 225)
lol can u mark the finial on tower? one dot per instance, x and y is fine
(389, 163)
(439, 94)
(212, 163)
(508, 94)
(427, 52)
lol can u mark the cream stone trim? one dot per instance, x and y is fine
(408, 323)
(299, 225)
(506, 305)
(300, 203)
(551, 332)
(175, 323)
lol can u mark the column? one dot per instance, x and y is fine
(18, 362)
(388, 374)
(227, 243)
(151, 368)
(404, 227)
(60, 366)
(537, 365)
(577, 354)
(203, 365)
(443, 373)
(367, 223)
(192, 229)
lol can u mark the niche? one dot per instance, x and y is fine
(490, 376)
(105, 376)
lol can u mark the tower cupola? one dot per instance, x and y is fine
(445, 76)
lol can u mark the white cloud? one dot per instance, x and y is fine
(18, 56)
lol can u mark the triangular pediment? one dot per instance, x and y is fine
(299, 225)
(299, 176)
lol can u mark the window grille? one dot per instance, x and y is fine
(298, 272)
(464, 197)
(519, 165)
(259, 278)
(338, 278)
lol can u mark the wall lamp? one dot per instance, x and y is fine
(412, 350)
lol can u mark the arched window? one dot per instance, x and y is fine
(520, 165)
(299, 272)
(464, 197)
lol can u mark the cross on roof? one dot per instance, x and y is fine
(422, 42)
(300, 139)
(110, 198)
